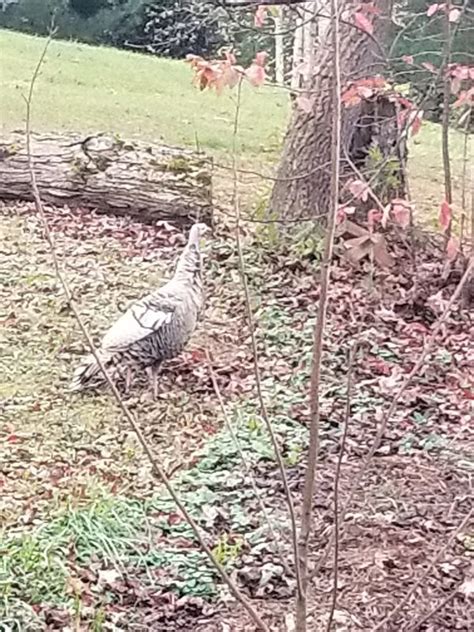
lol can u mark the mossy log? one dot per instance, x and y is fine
(106, 173)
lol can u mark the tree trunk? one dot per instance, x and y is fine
(303, 185)
(112, 176)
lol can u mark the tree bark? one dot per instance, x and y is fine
(110, 175)
(302, 188)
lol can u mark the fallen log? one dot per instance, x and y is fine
(110, 175)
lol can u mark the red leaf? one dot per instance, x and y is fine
(401, 210)
(13, 438)
(360, 190)
(365, 92)
(193, 59)
(375, 82)
(369, 8)
(350, 97)
(342, 213)
(373, 216)
(256, 74)
(261, 58)
(416, 124)
(408, 59)
(433, 8)
(466, 96)
(379, 365)
(363, 23)
(429, 66)
(304, 104)
(460, 71)
(454, 15)
(260, 16)
(467, 393)
(445, 215)
(455, 85)
(363, 89)
(230, 77)
(406, 103)
(230, 57)
(452, 248)
(174, 518)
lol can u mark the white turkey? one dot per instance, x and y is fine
(154, 329)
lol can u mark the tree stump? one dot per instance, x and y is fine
(110, 175)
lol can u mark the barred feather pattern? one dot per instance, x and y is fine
(155, 328)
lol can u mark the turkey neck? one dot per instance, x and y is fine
(188, 269)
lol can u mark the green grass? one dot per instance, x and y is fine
(427, 176)
(137, 95)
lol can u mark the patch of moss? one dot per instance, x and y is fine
(178, 165)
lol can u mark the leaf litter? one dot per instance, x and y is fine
(67, 455)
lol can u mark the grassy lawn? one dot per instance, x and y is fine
(426, 172)
(133, 94)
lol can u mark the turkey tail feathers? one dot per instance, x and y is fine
(88, 374)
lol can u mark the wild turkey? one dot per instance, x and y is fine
(153, 329)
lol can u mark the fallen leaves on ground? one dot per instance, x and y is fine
(63, 449)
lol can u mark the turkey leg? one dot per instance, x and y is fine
(128, 380)
(152, 372)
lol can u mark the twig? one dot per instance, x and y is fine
(263, 176)
(337, 479)
(126, 412)
(245, 463)
(258, 381)
(448, 186)
(319, 328)
(428, 571)
(433, 611)
(429, 344)
(465, 162)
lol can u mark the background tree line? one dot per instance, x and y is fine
(174, 28)
(171, 28)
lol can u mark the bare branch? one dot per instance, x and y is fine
(258, 381)
(313, 452)
(157, 469)
(448, 186)
(465, 162)
(255, 3)
(433, 611)
(337, 479)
